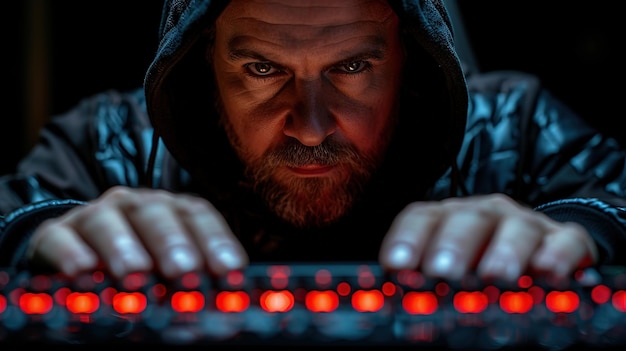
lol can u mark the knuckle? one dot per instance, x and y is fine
(194, 205)
(421, 208)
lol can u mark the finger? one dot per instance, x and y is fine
(458, 243)
(56, 245)
(165, 236)
(108, 232)
(222, 250)
(564, 250)
(408, 235)
(509, 251)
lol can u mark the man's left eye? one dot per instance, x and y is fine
(261, 68)
(353, 67)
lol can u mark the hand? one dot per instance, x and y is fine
(128, 230)
(491, 235)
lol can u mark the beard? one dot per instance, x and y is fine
(311, 201)
(308, 202)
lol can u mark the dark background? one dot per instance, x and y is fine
(56, 52)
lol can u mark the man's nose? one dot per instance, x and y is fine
(310, 120)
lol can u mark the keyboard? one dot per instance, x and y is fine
(332, 304)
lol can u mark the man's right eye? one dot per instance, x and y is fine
(261, 68)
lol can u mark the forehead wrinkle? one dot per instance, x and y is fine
(293, 12)
(270, 35)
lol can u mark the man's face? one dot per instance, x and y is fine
(308, 95)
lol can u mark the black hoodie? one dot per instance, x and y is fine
(189, 128)
(479, 133)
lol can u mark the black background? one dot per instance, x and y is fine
(98, 45)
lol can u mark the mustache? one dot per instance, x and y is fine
(295, 154)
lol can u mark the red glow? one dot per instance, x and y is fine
(366, 278)
(234, 279)
(190, 280)
(442, 289)
(159, 290)
(601, 294)
(14, 295)
(368, 300)
(619, 300)
(98, 276)
(562, 301)
(86, 302)
(321, 301)
(35, 303)
(470, 301)
(420, 302)
(3, 303)
(129, 302)
(107, 295)
(277, 301)
(279, 276)
(279, 280)
(135, 281)
(537, 293)
(299, 293)
(389, 288)
(41, 282)
(60, 296)
(343, 289)
(492, 293)
(232, 301)
(323, 277)
(525, 281)
(410, 278)
(516, 301)
(187, 301)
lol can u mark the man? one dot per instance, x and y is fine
(316, 131)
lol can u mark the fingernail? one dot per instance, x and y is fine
(183, 258)
(399, 256)
(130, 260)
(444, 263)
(550, 262)
(502, 264)
(80, 262)
(545, 261)
(229, 257)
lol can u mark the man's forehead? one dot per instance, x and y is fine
(308, 12)
(316, 24)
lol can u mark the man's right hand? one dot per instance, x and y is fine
(128, 230)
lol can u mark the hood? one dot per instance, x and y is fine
(180, 93)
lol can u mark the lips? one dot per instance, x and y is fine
(312, 169)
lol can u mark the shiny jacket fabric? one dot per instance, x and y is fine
(477, 133)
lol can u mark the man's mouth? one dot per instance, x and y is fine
(312, 169)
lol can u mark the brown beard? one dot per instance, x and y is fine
(307, 202)
(314, 201)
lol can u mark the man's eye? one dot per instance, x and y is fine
(353, 66)
(261, 68)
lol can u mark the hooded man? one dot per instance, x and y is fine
(316, 131)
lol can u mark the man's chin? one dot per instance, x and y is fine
(313, 206)
(307, 217)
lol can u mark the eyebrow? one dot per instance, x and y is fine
(239, 53)
(375, 52)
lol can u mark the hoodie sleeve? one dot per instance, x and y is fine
(17, 227)
(605, 222)
(104, 141)
(524, 142)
